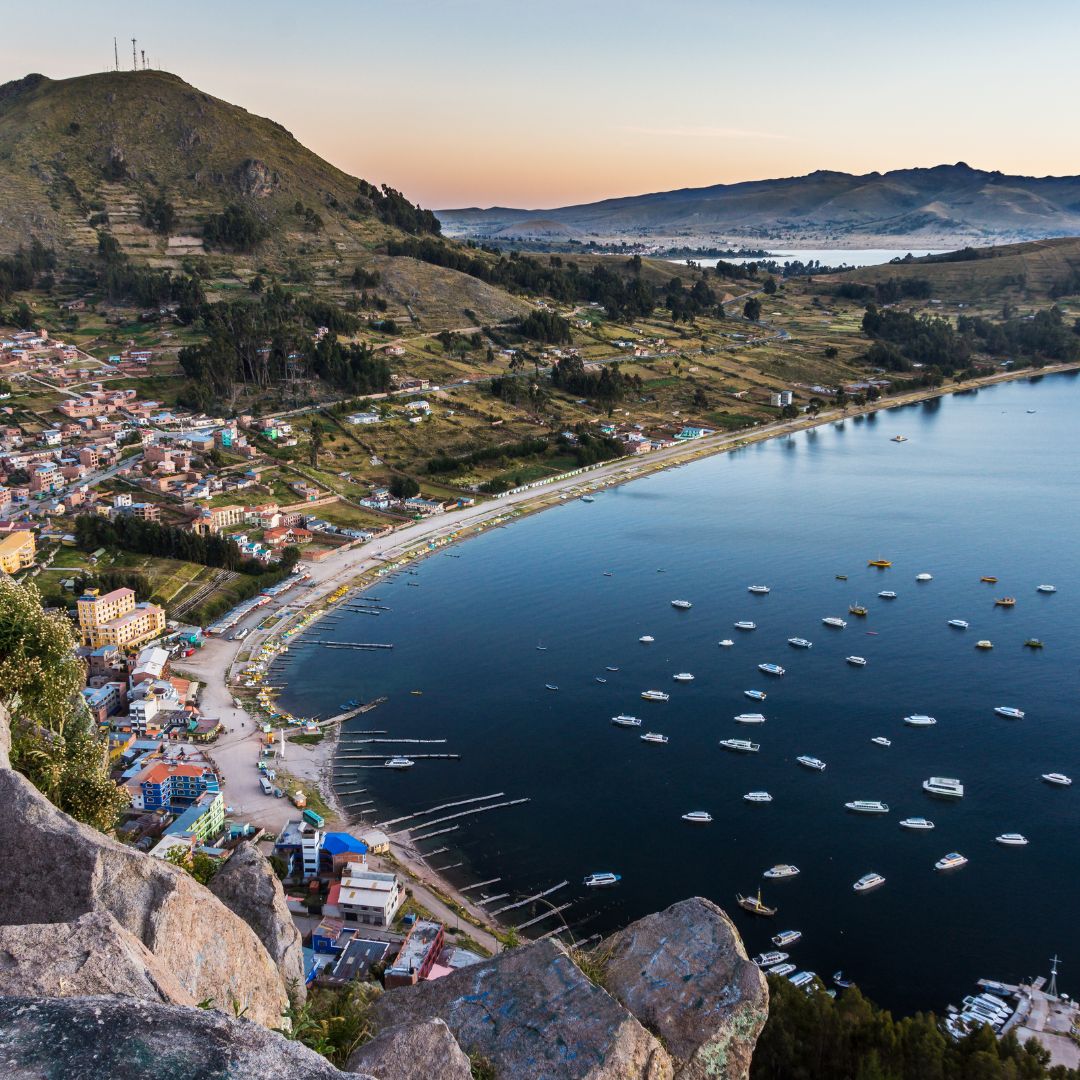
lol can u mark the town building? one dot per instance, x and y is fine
(170, 785)
(365, 896)
(418, 955)
(204, 819)
(115, 619)
(17, 551)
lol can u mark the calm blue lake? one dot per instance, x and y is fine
(984, 486)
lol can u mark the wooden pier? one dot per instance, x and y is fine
(546, 915)
(352, 645)
(530, 899)
(441, 806)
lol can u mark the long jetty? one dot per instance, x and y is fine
(465, 813)
(546, 915)
(530, 899)
(437, 832)
(352, 645)
(379, 757)
(441, 806)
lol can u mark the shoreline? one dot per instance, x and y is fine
(430, 535)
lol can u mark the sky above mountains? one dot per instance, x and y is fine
(505, 102)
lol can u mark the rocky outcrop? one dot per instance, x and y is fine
(684, 974)
(53, 869)
(255, 179)
(418, 1051)
(248, 887)
(93, 954)
(531, 1012)
(109, 1038)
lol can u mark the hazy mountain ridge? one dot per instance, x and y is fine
(947, 205)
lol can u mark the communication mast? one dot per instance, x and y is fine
(134, 62)
(116, 55)
(143, 53)
(1052, 990)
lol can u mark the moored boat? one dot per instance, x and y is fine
(1005, 601)
(989, 579)
(782, 870)
(917, 823)
(623, 720)
(881, 740)
(655, 695)
(759, 590)
(919, 720)
(754, 904)
(757, 796)
(953, 861)
(834, 620)
(867, 806)
(1009, 712)
(945, 787)
(682, 605)
(787, 937)
(745, 624)
(646, 639)
(726, 643)
(959, 624)
(1046, 588)
(858, 609)
(550, 686)
(887, 594)
(755, 695)
(1033, 643)
(683, 676)
(984, 644)
(750, 718)
(856, 661)
(782, 969)
(924, 577)
(1012, 839)
(880, 563)
(654, 737)
(800, 643)
(868, 882)
(741, 746)
(698, 817)
(768, 959)
(771, 669)
(398, 763)
(811, 762)
(602, 880)
(1057, 778)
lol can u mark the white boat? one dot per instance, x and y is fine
(750, 718)
(611, 668)
(856, 661)
(782, 969)
(984, 644)
(757, 796)
(868, 882)
(698, 817)
(881, 740)
(768, 959)
(960, 624)
(804, 978)
(683, 676)
(917, 823)
(755, 695)
(834, 620)
(953, 861)
(760, 590)
(550, 686)
(646, 639)
(742, 746)
(1046, 588)
(787, 937)
(654, 737)
(887, 594)
(602, 880)
(1012, 839)
(771, 669)
(800, 643)
(626, 721)
(781, 870)
(726, 643)
(811, 762)
(655, 695)
(398, 763)
(1057, 778)
(745, 624)
(944, 786)
(867, 806)
(919, 720)
(682, 605)
(924, 577)
(1009, 712)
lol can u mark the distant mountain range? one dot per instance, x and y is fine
(944, 206)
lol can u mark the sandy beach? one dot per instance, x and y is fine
(221, 661)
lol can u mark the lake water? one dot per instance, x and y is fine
(982, 487)
(830, 256)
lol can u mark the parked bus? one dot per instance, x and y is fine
(268, 788)
(314, 819)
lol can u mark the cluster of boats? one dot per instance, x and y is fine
(985, 1009)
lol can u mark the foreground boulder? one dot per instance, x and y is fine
(684, 974)
(420, 1051)
(532, 1013)
(53, 869)
(248, 887)
(109, 1038)
(93, 954)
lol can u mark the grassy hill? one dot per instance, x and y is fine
(95, 153)
(1040, 270)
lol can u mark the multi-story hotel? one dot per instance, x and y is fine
(17, 551)
(115, 619)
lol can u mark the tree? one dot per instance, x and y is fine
(769, 287)
(404, 487)
(199, 865)
(752, 309)
(316, 441)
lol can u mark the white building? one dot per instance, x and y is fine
(368, 897)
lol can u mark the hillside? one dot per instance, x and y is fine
(1042, 270)
(99, 152)
(944, 206)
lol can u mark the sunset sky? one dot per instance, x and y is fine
(485, 102)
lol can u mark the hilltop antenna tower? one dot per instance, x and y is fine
(143, 53)
(134, 62)
(1052, 990)
(116, 55)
